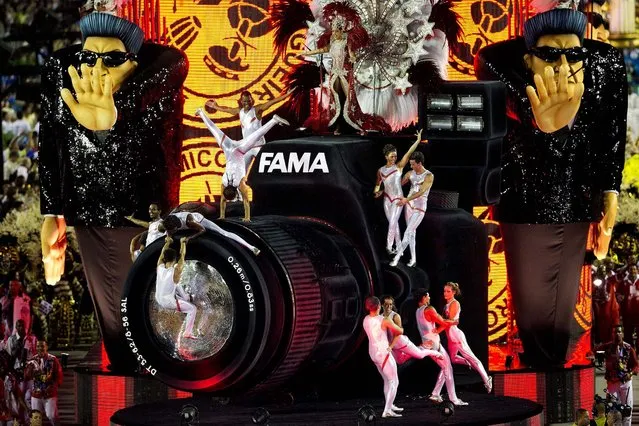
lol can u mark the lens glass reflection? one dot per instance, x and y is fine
(202, 299)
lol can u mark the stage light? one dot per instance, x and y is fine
(470, 124)
(440, 122)
(189, 415)
(447, 409)
(366, 413)
(597, 282)
(440, 101)
(260, 416)
(466, 102)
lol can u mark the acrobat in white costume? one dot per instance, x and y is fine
(457, 345)
(250, 124)
(414, 213)
(391, 176)
(210, 226)
(171, 295)
(236, 151)
(404, 349)
(431, 339)
(378, 350)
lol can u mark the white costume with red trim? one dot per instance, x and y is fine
(404, 349)
(391, 177)
(211, 226)
(385, 363)
(458, 348)
(414, 214)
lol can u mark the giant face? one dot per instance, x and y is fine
(555, 50)
(118, 73)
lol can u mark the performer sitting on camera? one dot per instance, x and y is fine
(391, 176)
(195, 221)
(377, 329)
(458, 348)
(234, 177)
(169, 294)
(421, 181)
(427, 321)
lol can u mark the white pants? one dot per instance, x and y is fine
(624, 393)
(391, 381)
(47, 406)
(445, 376)
(405, 349)
(207, 224)
(460, 352)
(185, 307)
(393, 211)
(413, 218)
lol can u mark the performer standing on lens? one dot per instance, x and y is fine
(457, 343)
(250, 119)
(404, 349)
(195, 221)
(234, 177)
(379, 349)
(169, 294)
(561, 167)
(421, 181)
(391, 176)
(427, 321)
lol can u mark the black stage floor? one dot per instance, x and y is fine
(482, 410)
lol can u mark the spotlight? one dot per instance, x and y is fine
(509, 361)
(366, 413)
(189, 415)
(447, 409)
(597, 282)
(260, 416)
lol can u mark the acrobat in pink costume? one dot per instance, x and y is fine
(431, 339)
(404, 349)
(457, 345)
(391, 176)
(414, 214)
(235, 151)
(170, 295)
(378, 349)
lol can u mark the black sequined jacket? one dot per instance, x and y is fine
(559, 177)
(98, 178)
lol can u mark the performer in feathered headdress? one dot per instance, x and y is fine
(110, 145)
(394, 44)
(561, 166)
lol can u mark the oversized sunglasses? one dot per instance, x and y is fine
(596, 20)
(109, 59)
(553, 54)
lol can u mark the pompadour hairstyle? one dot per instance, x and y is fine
(556, 21)
(105, 25)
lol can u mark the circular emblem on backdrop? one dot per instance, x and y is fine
(484, 22)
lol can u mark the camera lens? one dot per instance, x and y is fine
(259, 321)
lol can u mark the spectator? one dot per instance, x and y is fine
(582, 418)
(11, 165)
(21, 126)
(47, 377)
(614, 419)
(18, 302)
(621, 365)
(599, 416)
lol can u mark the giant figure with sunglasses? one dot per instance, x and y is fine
(561, 167)
(109, 146)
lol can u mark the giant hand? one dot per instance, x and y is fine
(554, 107)
(94, 107)
(53, 237)
(604, 228)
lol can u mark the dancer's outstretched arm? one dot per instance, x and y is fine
(177, 273)
(406, 158)
(167, 242)
(214, 105)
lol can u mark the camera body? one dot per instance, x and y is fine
(298, 306)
